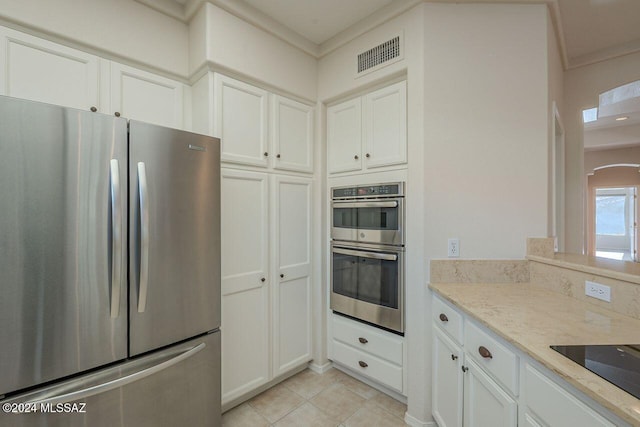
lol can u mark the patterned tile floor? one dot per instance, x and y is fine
(308, 399)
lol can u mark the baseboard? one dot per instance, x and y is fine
(319, 369)
(414, 422)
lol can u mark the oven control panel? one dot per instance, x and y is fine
(378, 190)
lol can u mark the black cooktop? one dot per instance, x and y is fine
(618, 364)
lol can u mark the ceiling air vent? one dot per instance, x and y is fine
(379, 55)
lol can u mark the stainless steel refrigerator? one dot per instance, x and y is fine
(109, 271)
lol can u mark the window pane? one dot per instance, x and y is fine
(610, 215)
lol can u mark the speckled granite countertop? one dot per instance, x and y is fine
(532, 319)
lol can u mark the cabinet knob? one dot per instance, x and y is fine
(356, 157)
(443, 317)
(363, 340)
(278, 156)
(117, 114)
(266, 154)
(367, 155)
(362, 364)
(263, 279)
(282, 275)
(93, 109)
(484, 352)
(464, 368)
(454, 357)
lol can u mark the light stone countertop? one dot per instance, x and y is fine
(532, 319)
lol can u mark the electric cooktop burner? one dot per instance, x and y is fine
(618, 364)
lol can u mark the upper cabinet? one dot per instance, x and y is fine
(254, 131)
(39, 70)
(140, 95)
(369, 131)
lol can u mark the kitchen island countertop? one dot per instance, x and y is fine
(532, 319)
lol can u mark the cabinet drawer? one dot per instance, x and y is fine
(448, 319)
(492, 356)
(370, 366)
(555, 406)
(368, 339)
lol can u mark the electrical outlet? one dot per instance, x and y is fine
(596, 290)
(453, 250)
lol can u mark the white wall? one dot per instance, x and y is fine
(123, 28)
(234, 46)
(582, 86)
(336, 81)
(486, 120)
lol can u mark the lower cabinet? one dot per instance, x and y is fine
(369, 351)
(266, 278)
(479, 380)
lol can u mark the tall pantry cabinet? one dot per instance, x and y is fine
(267, 189)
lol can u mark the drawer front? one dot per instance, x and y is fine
(554, 405)
(367, 365)
(492, 356)
(448, 319)
(368, 339)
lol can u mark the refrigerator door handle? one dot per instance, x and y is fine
(144, 237)
(120, 382)
(116, 238)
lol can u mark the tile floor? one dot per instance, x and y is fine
(308, 399)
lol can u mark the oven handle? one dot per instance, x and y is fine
(374, 255)
(346, 205)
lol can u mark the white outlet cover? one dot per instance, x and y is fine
(597, 290)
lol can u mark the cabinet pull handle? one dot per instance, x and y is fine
(356, 157)
(282, 275)
(262, 279)
(454, 357)
(444, 317)
(93, 109)
(484, 352)
(368, 155)
(278, 155)
(266, 154)
(464, 368)
(117, 114)
(363, 340)
(362, 364)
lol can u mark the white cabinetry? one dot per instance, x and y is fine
(266, 278)
(546, 403)
(140, 95)
(369, 131)
(479, 380)
(242, 114)
(245, 274)
(369, 351)
(39, 70)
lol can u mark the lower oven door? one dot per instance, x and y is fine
(368, 284)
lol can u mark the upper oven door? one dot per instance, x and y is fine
(377, 221)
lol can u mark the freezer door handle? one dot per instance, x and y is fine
(144, 237)
(116, 238)
(120, 382)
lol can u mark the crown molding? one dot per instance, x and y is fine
(605, 54)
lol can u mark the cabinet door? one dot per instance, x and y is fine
(344, 136)
(241, 121)
(292, 135)
(485, 403)
(147, 97)
(39, 70)
(292, 286)
(245, 284)
(446, 381)
(385, 126)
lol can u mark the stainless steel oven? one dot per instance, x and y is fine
(369, 214)
(367, 254)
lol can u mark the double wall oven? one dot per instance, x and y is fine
(367, 254)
